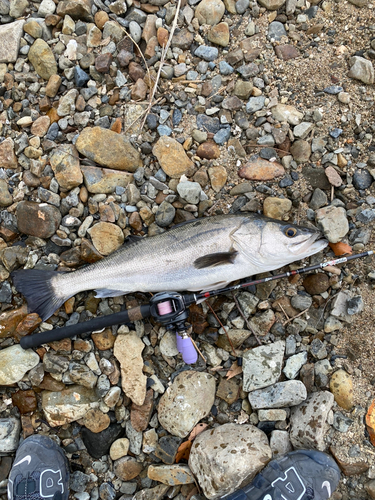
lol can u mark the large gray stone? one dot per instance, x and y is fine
(279, 395)
(262, 365)
(224, 458)
(333, 222)
(309, 421)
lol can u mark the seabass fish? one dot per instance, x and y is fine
(202, 255)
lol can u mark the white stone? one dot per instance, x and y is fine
(15, 362)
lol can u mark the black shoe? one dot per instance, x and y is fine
(299, 475)
(40, 470)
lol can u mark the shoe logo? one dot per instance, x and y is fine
(328, 486)
(50, 479)
(26, 459)
(291, 486)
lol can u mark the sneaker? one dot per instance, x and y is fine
(299, 475)
(40, 470)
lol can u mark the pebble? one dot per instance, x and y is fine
(41, 57)
(361, 69)
(276, 208)
(261, 170)
(279, 395)
(10, 37)
(210, 12)
(262, 366)
(171, 156)
(341, 386)
(106, 237)
(362, 179)
(294, 364)
(172, 475)
(276, 31)
(10, 429)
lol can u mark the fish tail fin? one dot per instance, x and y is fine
(37, 286)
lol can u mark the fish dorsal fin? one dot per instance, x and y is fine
(215, 259)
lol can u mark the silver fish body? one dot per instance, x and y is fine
(205, 254)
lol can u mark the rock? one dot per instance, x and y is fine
(316, 283)
(128, 350)
(8, 158)
(10, 37)
(301, 151)
(109, 149)
(140, 415)
(231, 451)
(76, 9)
(37, 219)
(172, 157)
(319, 199)
(190, 389)
(301, 302)
(40, 126)
(15, 362)
(209, 150)
(189, 191)
(41, 57)
(173, 475)
(165, 214)
(255, 104)
(237, 337)
(317, 177)
(119, 448)
(6, 198)
(219, 34)
(309, 421)
(361, 69)
(104, 180)
(276, 208)
(341, 386)
(294, 364)
(276, 31)
(205, 52)
(287, 113)
(333, 222)
(25, 401)
(68, 405)
(340, 306)
(280, 395)
(262, 323)
(262, 365)
(341, 422)
(210, 12)
(67, 103)
(95, 420)
(362, 179)
(348, 467)
(218, 177)
(99, 444)
(65, 164)
(287, 52)
(333, 176)
(261, 170)
(280, 443)
(271, 415)
(127, 468)
(10, 429)
(106, 237)
(272, 4)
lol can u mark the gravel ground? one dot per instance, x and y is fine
(264, 107)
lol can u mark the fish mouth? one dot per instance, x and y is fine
(312, 244)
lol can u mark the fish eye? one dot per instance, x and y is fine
(290, 232)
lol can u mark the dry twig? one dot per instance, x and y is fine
(294, 317)
(248, 324)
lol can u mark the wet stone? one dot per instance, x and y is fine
(166, 448)
(9, 435)
(98, 444)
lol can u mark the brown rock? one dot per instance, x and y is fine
(349, 469)
(37, 219)
(104, 340)
(108, 149)
(40, 126)
(243, 89)
(9, 321)
(139, 90)
(106, 237)
(209, 150)
(41, 57)
(53, 116)
(8, 158)
(341, 386)
(276, 208)
(162, 36)
(27, 325)
(51, 384)
(95, 420)
(261, 170)
(89, 253)
(127, 468)
(286, 52)
(219, 34)
(150, 50)
(135, 221)
(76, 9)
(149, 30)
(103, 62)
(172, 157)
(65, 164)
(124, 57)
(237, 337)
(232, 103)
(136, 71)
(25, 401)
(316, 283)
(173, 475)
(101, 18)
(140, 415)
(333, 176)
(209, 12)
(94, 36)
(218, 177)
(283, 303)
(228, 390)
(301, 151)
(183, 39)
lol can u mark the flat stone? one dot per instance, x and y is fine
(95, 420)
(361, 69)
(190, 389)
(128, 351)
(280, 395)
(209, 150)
(219, 34)
(262, 366)
(287, 113)
(276, 208)
(172, 157)
(309, 421)
(280, 443)
(127, 468)
(10, 37)
(210, 12)
(261, 170)
(173, 475)
(119, 448)
(271, 415)
(10, 429)
(104, 180)
(228, 390)
(37, 219)
(231, 451)
(301, 151)
(76, 9)
(140, 414)
(41, 57)
(109, 149)
(8, 157)
(333, 222)
(348, 467)
(287, 52)
(68, 405)
(294, 364)
(65, 163)
(218, 177)
(15, 362)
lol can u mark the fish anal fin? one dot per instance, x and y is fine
(215, 259)
(102, 293)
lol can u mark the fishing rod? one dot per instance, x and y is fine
(170, 309)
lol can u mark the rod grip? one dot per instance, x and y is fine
(186, 348)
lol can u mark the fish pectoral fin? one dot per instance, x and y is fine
(215, 259)
(101, 293)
